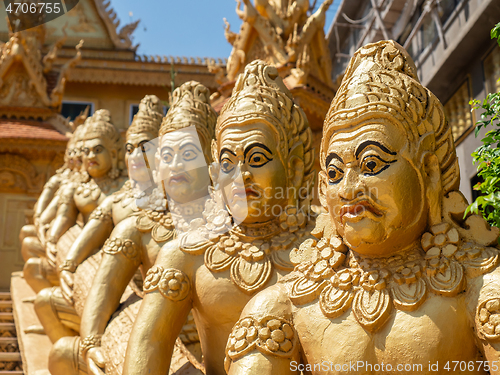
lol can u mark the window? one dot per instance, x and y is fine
(72, 109)
(458, 111)
(491, 66)
(446, 8)
(134, 108)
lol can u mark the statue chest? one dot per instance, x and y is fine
(120, 212)
(217, 297)
(438, 332)
(87, 204)
(217, 306)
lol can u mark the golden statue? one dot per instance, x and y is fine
(135, 242)
(56, 307)
(263, 150)
(397, 275)
(32, 237)
(281, 33)
(103, 168)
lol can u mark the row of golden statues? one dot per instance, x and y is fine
(209, 250)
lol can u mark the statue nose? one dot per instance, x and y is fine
(350, 186)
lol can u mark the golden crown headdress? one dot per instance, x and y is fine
(191, 106)
(99, 125)
(261, 96)
(381, 78)
(148, 118)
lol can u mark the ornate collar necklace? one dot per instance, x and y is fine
(249, 252)
(95, 187)
(159, 223)
(342, 279)
(184, 214)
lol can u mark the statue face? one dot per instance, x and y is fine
(252, 176)
(98, 159)
(70, 157)
(139, 156)
(374, 193)
(78, 156)
(182, 166)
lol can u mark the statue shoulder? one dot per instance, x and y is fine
(266, 326)
(127, 229)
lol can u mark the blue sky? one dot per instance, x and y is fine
(185, 27)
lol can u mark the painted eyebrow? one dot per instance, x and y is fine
(333, 156)
(253, 145)
(365, 144)
(188, 144)
(225, 149)
(165, 148)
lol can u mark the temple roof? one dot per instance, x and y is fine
(29, 129)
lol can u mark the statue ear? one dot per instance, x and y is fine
(296, 167)
(215, 157)
(431, 173)
(322, 189)
(213, 171)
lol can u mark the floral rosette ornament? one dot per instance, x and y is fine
(171, 283)
(159, 223)
(269, 335)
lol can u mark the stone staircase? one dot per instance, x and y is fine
(10, 356)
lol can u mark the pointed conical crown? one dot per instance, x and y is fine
(261, 96)
(191, 106)
(381, 81)
(148, 118)
(100, 126)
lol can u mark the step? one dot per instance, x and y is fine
(10, 357)
(7, 327)
(6, 317)
(11, 373)
(8, 340)
(5, 296)
(4, 305)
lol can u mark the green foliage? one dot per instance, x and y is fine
(495, 33)
(487, 156)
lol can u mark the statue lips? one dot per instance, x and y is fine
(93, 163)
(248, 192)
(135, 165)
(357, 210)
(178, 179)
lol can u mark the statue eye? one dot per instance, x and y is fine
(258, 159)
(167, 158)
(226, 165)
(145, 147)
(129, 148)
(374, 164)
(189, 155)
(334, 174)
(98, 149)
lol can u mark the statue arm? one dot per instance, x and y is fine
(164, 309)
(48, 192)
(94, 233)
(46, 218)
(483, 304)
(65, 217)
(248, 352)
(120, 260)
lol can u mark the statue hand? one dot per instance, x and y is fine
(67, 281)
(51, 251)
(95, 361)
